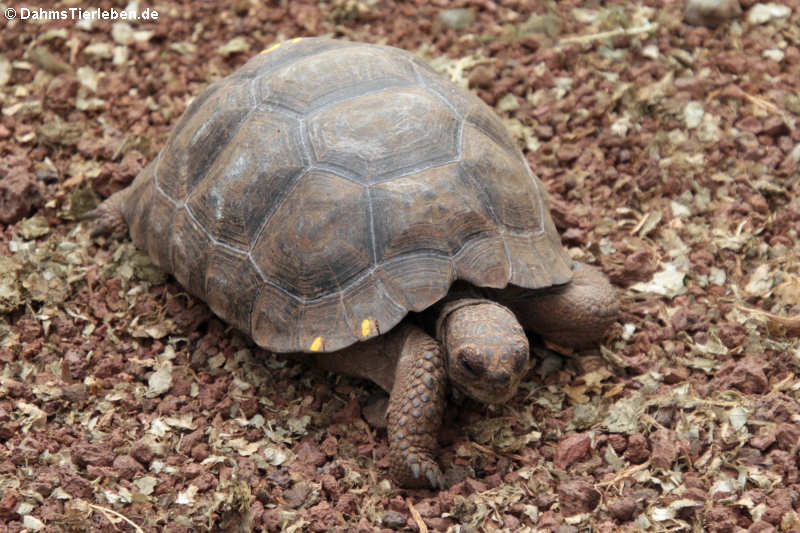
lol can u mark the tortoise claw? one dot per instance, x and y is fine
(435, 479)
(417, 470)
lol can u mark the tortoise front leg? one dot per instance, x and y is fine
(416, 405)
(409, 365)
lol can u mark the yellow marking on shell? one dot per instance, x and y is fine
(273, 46)
(316, 344)
(270, 48)
(368, 325)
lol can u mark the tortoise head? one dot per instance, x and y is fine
(487, 350)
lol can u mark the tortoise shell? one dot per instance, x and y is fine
(326, 188)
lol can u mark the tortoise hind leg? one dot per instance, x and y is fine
(576, 315)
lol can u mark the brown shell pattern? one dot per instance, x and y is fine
(326, 188)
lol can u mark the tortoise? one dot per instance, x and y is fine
(325, 190)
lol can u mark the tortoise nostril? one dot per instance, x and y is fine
(469, 364)
(500, 378)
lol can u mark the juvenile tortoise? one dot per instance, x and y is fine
(325, 189)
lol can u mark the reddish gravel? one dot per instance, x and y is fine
(671, 153)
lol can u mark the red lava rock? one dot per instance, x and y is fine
(788, 435)
(329, 446)
(393, 520)
(131, 165)
(774, 126)
(45, 482)
(571, 449)
(347, 503)
(784, 464)
(61, 91)
(142, 452)
(348, 413)
(428, 508)
(8, 427)
(297, 495)
(544, 131)
(577, 496)
(190, 440)
(322, 517)
(482, 77)
(7, 355)
(438, 523)
(696, 494)
(673, 375)
(248, 406)
(733, 63)
(51, 510)
(116, 176)
(76, 364)
(192, 470)
(76, 486)
(781, 501)
(689, 320)
(475, 485)
(574, 236)
(568, 152)
(199, 451)
(622, 509)
(309, 453)
(510, 522)
(764, 438)
(638, 266)
(731, 335)
(637, 450)
(109, 366)
(28, 328)
(750, 124)
(127, 467)
(617, 441)
(720, 519)
(96, 454)
(20, 192)
(748, 376)
(759, 526)
(8, 504)
(204, 481)
(711, 13)
(758, 203)
(664, 444)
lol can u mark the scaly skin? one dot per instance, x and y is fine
(110, 221)
(414, 414)
(575, 315)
